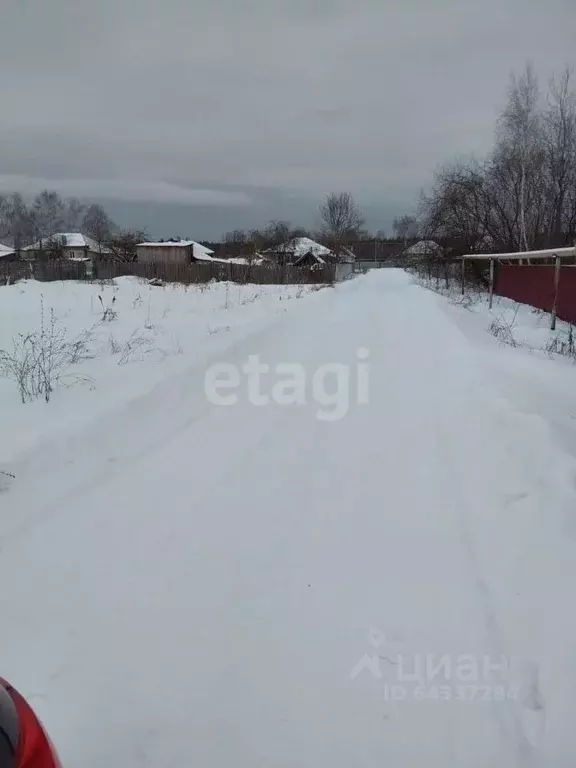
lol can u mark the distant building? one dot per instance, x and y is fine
(72, 246)
(423, 249)
(7, 253)
(174, 252)
(305, 252)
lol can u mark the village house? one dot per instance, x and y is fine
(71, 246)
(423, 249)
(305, 252)
(173, 252)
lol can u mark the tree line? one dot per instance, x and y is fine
(25, 223)
(523, 195)
(341, 224)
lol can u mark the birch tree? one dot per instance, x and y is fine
(560, 154)
(520, 139)
(48, 214)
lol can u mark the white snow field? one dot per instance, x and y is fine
(187, 584)
(153, 333)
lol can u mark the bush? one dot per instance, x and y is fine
(38, 361)
(563, 344)
(503, 330)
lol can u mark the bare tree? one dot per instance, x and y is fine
(4, 218)
(277, 237)
(560, 150)
(299, 232)
(16, 221)
(51, 248)
(341, 220)
(48, 214)
(121, 246)
(523, 196)
(237, 242)
(97, 224)
(235, 237)
(278, 233)
(73, 214)
(257, 240)
(519, 139)
(405, 227)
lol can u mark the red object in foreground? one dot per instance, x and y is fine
(25, 743)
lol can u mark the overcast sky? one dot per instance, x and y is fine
(191, 117)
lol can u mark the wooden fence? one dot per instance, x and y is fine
(197, 272)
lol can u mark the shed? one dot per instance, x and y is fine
(173, 252)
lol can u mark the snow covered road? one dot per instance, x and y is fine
(187, 584)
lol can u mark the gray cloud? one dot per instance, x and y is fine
(219, 102)
(136, 190)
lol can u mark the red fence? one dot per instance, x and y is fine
(533, 284)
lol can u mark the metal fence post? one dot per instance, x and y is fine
(556, 289)
(491, 297)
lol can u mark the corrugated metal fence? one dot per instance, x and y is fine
(534, 284)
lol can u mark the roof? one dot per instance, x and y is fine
(300, 246)
(199, 249)
(205, 256)
(242, 260)
(318, 259)
(550, 253)
(68, 240)
(5, 250)
(422, 247)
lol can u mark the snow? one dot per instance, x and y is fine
(423, 247)
(300, 246)
(166, 326)
(69, 240)
(517, 325)
(191, 584)
(304, 245)
(5, 250)
(200, 256)
(242, 260)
